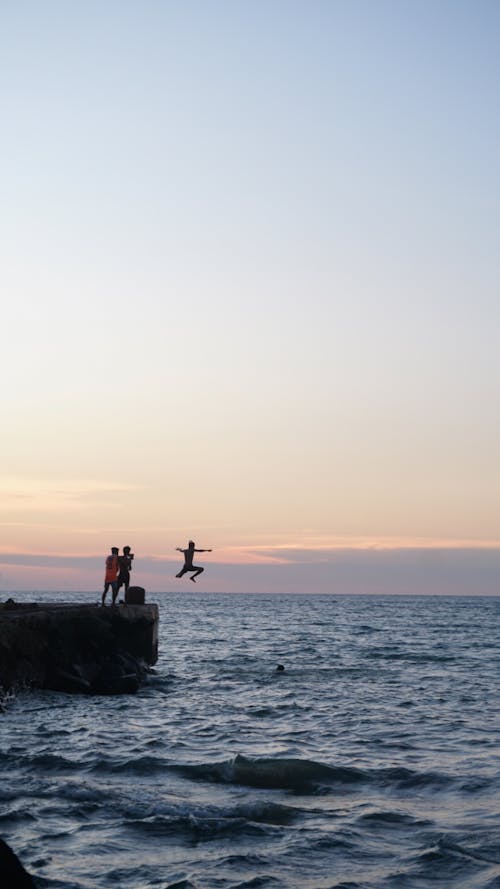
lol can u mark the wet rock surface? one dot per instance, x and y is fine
(12, 873)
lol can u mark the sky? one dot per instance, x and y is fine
(249, 273)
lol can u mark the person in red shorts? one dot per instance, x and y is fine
(111, 575)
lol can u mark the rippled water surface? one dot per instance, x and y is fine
(372, 761)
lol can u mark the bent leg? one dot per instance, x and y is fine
(182, 571)
(196, 572)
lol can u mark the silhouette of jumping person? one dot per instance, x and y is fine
(188, 560)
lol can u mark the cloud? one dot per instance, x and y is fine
(35, 495)
(313, 548)
(411, 571)
(43, 560)
(402, 572)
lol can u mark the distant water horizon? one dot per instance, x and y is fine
(199, 591)
(372, 761)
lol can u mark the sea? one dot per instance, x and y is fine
(371, 761)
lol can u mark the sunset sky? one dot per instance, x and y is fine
(250, 271)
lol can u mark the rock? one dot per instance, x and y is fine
(62, 680)
(12, 873)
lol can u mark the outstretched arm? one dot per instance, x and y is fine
(203, 550)
(179, 550)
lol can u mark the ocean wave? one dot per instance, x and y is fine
(249, 818)
(288, 773)
(51, 883)
(182, 884)
(80, 792)
(409, 779)
(348, 884)
(258, 882)
(454, 861)
(146, 876)
(19, 815)
(392, 819)
(45, 762)
(137, 765)
(195, 827)
(413, 657)
(272, 772)
(402, 778)
(281, 773)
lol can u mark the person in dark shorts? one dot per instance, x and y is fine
(125, 566)
(188, 560)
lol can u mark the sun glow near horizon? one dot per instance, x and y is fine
(255, 305)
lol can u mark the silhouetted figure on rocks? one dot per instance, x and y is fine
(12, 873)
(125, 566)
(188, 560)
(111, 575)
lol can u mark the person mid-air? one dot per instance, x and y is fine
(188, 560)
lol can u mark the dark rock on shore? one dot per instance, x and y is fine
(12, 873)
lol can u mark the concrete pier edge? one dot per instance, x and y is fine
(77, 648)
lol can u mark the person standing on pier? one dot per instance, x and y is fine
(111, 575)
(188, 560)
(125, 565)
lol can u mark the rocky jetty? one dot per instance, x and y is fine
(77, 648)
